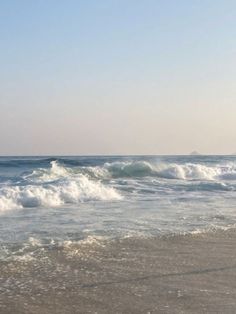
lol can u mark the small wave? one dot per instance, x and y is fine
(130, 169)
(210, 186)
(210, 229)
(228, 176)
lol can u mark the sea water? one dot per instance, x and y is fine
(55, 201)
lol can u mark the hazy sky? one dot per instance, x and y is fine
(117, 76)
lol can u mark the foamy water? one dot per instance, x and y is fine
(59, 199)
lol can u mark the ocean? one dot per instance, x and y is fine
(73, 224)
(51, 200)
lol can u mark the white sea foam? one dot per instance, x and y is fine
(209, 229)
(55, 172)
(68, 189)
(34, 242)
(83, 247)
(188, 172)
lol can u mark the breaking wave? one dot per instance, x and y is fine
(55, 172)
(186, 171)
(54, 187)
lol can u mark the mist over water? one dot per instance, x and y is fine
(53, 200)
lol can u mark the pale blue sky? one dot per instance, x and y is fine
(117, 77)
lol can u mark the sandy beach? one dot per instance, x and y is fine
(174, 274)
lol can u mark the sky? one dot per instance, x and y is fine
(117, 77)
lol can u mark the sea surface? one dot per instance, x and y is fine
(58, 201)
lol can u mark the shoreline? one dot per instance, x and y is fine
(181, 274)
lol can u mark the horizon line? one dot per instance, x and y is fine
(114, 155)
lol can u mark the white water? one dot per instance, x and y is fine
(74, 198)
(54, 187)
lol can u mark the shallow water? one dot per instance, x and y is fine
(168, 274)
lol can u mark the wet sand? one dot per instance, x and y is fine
(176, 274)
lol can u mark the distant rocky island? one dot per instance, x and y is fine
(195, 153)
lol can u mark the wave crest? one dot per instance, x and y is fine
(55, 172)
(188, 171)
(54, 187)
